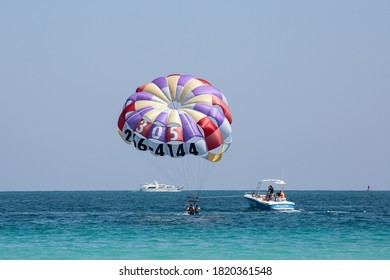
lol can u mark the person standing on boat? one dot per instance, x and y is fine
(270, 191)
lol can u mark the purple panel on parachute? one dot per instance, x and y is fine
(157, 132)
(207, 90)
(190, 128)
(211, 112)
(162, 118)
(142, 95)
(183, 80)
(161, 82)
(133, 120)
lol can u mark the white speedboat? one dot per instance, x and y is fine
(270, 200)
(158, 187)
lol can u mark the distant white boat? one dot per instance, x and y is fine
(158, 187)
(271, 200)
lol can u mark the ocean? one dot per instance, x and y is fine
(132, 225)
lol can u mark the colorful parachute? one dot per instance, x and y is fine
(175, 116)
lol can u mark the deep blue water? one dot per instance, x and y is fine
(135, 225)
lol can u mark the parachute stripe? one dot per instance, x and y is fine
(197, 116)
(146, 103)
(174, 119)
(214, 140)
(153, 114)
(205, 89)
(159, 135)
(133, 120)
(214, 157)
(207, 125)
(144, 128)
(210, 111)
(206, 99)
(190, 128)
(204, 81)
(212, 135)
(184, 79)
(162, 118)
(172, 83)
(194, 83)
(224, 107)
(141, 87)
(225, 129)
(122, 120)
(155, 90)
(160, 82)
(143, 95)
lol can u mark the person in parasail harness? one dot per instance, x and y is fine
(190, 209)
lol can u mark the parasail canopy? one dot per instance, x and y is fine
(176, 116)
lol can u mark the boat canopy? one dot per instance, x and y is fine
(275, 181)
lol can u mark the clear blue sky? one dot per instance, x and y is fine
(307, 83)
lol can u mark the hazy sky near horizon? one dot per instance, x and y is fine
(307, 84)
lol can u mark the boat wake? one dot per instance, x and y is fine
(291, 211)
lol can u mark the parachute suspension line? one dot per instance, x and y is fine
(192, 172)
(181, 171)
(160, 166)
(202, 174)
(188, 169)
(199, 180)
(189, 172)
(181, 167)
(206, 171)
(204, 167)
(178, 171)
(209, 167)
(163, 166)
(197, 172)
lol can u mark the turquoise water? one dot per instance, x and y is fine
(144, 226)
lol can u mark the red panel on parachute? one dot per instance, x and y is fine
(122, 120)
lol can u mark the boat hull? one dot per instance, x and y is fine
(159, 190)
(258, 203)
(157, 187)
